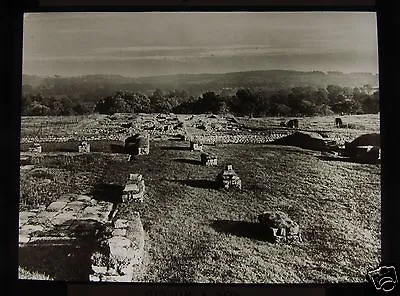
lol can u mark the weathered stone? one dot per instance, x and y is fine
(119, 246)
(64, 217)
(68, 197)
(99, 269)
(119, 232)
(281, 225)
(83, 198)
(23, 238)
(94, 278)
(24, 217)
(45, 216)
(56, 206)
(121, 223)
(28, 228)
(98, 213)
(74, 206)
(76, 203)
(117, 278)
(228, 178)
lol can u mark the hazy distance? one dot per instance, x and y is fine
(149, 44)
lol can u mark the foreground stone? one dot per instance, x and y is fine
(77, 222)
(57, 218)
(119, 256)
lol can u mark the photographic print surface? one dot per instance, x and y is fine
(200, 147)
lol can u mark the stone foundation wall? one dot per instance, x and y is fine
(120, 256)
(239, 138)
(203, 138)
(68, 156)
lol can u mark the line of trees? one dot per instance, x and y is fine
(298, 101)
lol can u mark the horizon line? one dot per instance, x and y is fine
(203, 73)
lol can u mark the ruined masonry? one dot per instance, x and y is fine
(117, 246)
(84, 147)
(118, 258)
(56, 221)
(196, 146)
(138, 144)
(35, 148)
(208, 160)
(134, 188)
(280, 225)
(228, 178)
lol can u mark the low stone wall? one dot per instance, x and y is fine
(91, 137)
(119, 257)
(240, 138)
(66, 157)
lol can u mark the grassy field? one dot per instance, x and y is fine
(196, 233)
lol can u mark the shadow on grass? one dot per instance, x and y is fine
(360, 161)
(68, 150)
(208, 184)
(108, 192)
(117, 148)
(176, 148)
(189, 161)
(250, 230)
(176, 139)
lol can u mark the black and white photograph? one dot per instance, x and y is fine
(200, 147)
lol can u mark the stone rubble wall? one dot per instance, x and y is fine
(203, 138)
(121, 256)
(66, 157)
(240, 138)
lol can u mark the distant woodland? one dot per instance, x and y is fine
(258, 93)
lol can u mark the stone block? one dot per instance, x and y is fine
(23, 238)
(64, 217)
(56, 206)
(117, 278)
(83, 198)
(119, 232)
(45, 217)
(74, 206)
(121, 223)
(68, 197)
(25, 216)
(94, 278)
(99, 269)
(29, 229)
(97, 213)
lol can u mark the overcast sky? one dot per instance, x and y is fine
(146, 44)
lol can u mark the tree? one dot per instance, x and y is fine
(26, 104)
(39, 109)
(113, 104)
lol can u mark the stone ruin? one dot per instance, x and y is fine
(138, 144)
(114, 247)
(365, 148)
(228, 178)
(119, 258)
(84, 147)
(35, 148)
(208, 160)
(280, 225)
(196, 146)
(134, 189)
